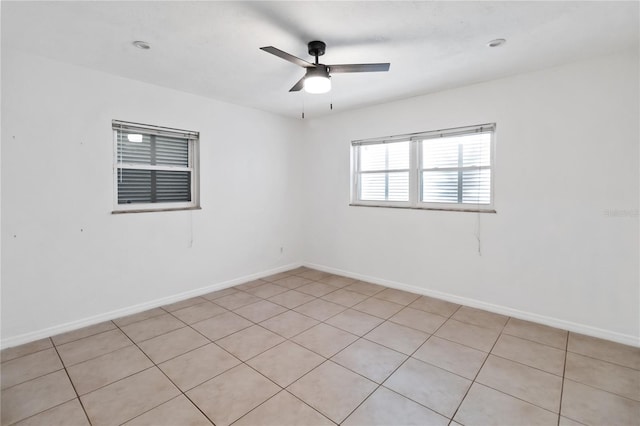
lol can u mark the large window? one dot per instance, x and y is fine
(448, 169)
(155, 168)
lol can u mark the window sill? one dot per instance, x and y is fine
(155, 210)
(443, 209)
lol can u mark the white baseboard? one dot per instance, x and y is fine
(625, 339)
(85, 322)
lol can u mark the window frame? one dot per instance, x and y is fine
(416, 169)
(193, 167)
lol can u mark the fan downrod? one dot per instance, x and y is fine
(317, 48)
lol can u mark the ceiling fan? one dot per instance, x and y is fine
(318, 78)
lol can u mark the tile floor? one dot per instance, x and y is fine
(307, 348)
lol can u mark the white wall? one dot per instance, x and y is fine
(567, 151)
(67, 260)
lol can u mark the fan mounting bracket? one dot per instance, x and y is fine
(317, 48)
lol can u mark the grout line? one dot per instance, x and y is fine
(84, 410)
(4, 363)
(564, 371)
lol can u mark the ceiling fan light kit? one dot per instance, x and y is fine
(317, 78)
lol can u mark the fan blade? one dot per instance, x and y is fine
(359, 67)
(298, 86)
(287, 57)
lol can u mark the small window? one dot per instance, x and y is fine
(448, 169)
(155, 168)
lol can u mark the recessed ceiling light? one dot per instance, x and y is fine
(497, 42)
(142, 45)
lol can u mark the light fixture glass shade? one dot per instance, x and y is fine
(317, 84)
(317, 80)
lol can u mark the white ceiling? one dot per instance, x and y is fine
(211, 48)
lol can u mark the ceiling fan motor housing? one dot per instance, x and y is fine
(316, 48)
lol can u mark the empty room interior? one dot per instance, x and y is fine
(320, 213)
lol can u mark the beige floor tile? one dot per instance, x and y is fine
(37, 395)
(369, 359)
(524, 382)
(26, 349)
(140, 316)
(365, 288)
(603, 375)
(435, 306)
(128, 398)
(488, 407)
(316, 289)
(172, 344)
(378, 307)
(92, 346)
(69, 413)
(276, 277)
(291, 299)
(267, 290)
(214, 295)
(592, 406)
(292, 282)
(284, 409)
(286, 363)
(325, 340)
(184, 304)
(430, 386)
(397, 296)
(385, 408)
(355, 322)
(531, 353)
(237, 300)
(29, 367)
(152, 327)
(320, 309)
(537, 333)
(176, 412)
(337, 281)
(420, 320)
(313, 275)
(453, 357)
(605, 350)
(249, 342)
(468, 335)
(345, 297)
(70, 336)
(222, 325)
(199, 312)
(480, 318)
(103, 370)
(397, 337)
(289, 323)
(196, 367)
(333, 390)
(250, 284)
(226, 398)
(260, 311)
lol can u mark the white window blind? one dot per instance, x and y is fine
(155, 167)
(456, 169)
(384, 172)
(444, 169)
